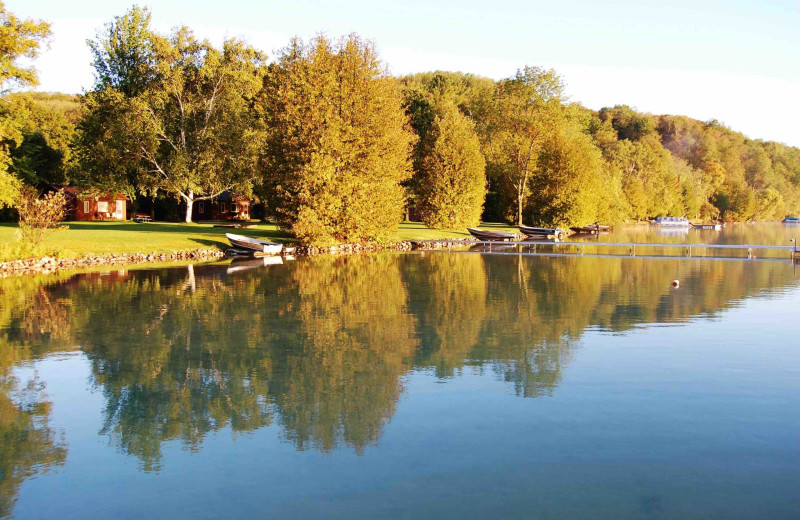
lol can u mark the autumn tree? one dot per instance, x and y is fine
(171, 114)
(452, 180)
(337, 144)
(567, 185)
(19, 38)
(514, 121)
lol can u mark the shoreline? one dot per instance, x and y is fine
(51, 264)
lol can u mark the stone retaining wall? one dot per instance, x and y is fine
(49, 264)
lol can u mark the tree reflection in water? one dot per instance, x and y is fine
(319, 346)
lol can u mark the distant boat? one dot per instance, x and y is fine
(791, 220)
(531, 231)
(254, 245)
(711, 226)
(484, 234)
(594, 229)
(673, 222)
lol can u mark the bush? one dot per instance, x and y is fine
(39, 215)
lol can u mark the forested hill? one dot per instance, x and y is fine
(612, 165)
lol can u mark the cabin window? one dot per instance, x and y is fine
(102, 206)
(222, 207)
(234, 208)
(86, 206)
(201, 208)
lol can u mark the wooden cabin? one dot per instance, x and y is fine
(222, 207)
(84, 205)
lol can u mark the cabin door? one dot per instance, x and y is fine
(119, 214)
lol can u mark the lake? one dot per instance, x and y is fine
(408, 385)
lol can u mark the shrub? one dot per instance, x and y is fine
(39, 215)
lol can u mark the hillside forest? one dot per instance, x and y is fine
(338, 149)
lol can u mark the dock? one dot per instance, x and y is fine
(631, 248)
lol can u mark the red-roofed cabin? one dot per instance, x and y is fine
(86, 206)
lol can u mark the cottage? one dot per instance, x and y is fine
(225, 206)
(84, 205)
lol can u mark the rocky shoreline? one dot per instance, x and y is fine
(49, 264)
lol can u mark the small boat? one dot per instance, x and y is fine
(594, 229)
(253, 245)
(791, 220)
(711, 226)
(484, 234)
(538, 232)
(672, 222)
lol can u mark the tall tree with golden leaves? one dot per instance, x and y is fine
(452, 184)
(337, 145)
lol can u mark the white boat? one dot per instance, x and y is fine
(254, 245)
(672, 222)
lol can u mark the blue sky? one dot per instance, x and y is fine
(730, 60)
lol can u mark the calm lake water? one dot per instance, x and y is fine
(419, 385)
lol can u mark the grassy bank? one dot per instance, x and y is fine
(99, 238)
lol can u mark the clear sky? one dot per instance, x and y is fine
(735, 61)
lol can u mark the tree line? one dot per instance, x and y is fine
(338, 149)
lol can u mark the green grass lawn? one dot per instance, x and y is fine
(97, 238)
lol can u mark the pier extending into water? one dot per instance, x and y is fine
(627, 248)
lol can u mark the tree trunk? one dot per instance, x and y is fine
(189, 203)
(519, 209)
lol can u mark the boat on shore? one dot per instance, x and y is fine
(791, 220)
(485, 234)
(541, 232)
(594, 229)
(672, 222)
(253, 245)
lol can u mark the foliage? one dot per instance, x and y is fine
(40, 215)
(171, 114)
(337, 145)
(18, 39)
(514, 121)
(125, 54)
(451, 184)
(46, 124)
(9, 184)
(566, 189)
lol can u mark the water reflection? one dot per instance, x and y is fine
(319, 347)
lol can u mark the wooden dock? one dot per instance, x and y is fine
(632, 248)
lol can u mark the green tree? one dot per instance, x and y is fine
(172, 114)
(338, 146)
(46, 125)
(451, 186)
(514, 122)
(567, 186)
(18, 39)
